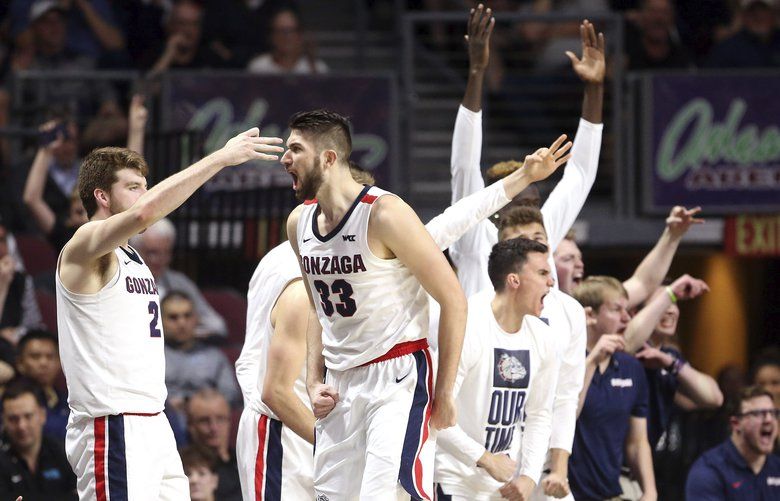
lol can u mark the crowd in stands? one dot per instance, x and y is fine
(267, 36)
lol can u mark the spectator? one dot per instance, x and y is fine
(92, 29)
(183, 46)
(38, 359)
(671, 379)
(48, 51)
(612, 422)
(742, 467)
(289, 51)
(51, 182)
(238, 29)
(766, 374)
(156, 248)
(142, 20)
(652, 42)
(208, 422)
(18, 307)
(199, 466)
(189, 364)
(756, 45)
(31, 464)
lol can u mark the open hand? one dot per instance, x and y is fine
(544, 161)
(592, 67)
(249, 145)
(481, 23)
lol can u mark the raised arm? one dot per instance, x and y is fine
(137, 116)
(109, 36)
(286, 357)
(641, 327)
(463, 215)
(654, 267)
(565, 202)
(396, 226)
(467, 136)
(36, 183)
(98, 238)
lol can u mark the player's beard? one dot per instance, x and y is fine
(310, 185)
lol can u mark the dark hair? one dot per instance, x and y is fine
(508, 257)
(20, 386)
(769, 357)
(176, 294)
(35, 335)
(193, 456)
(749, 393)
(324, 125)
(98, 171)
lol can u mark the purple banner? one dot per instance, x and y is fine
(224, 104)
(715, 143)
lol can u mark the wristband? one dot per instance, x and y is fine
(675, 366)
(671, 294)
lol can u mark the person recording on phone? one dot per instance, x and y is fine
(50, 191)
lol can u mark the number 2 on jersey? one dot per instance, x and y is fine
(346, 306)
(154, 311)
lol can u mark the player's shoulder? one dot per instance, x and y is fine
(566, 301)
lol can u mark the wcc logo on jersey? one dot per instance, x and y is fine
(512, 368)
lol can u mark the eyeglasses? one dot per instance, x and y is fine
(761, 413)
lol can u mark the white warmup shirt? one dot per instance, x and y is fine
(366, 304)
(501, 376)
(470, 253)
(275, 271)
(111, 343)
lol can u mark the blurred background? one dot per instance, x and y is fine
(691, 118)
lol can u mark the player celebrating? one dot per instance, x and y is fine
(369, 260)
(277, 428)
(119, 444)
(509, 364)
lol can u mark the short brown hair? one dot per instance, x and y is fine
(571, 235)
(194, 456)
(592, 290)
(747, 393)
(509, 256)
(98, 171)
(520, 215)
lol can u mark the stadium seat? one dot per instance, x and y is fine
(47, 303)
(37, 254)
(232, 306)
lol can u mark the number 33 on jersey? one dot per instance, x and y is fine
(362, 309)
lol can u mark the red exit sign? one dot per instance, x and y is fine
(753, 235)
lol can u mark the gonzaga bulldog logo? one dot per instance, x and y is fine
(512, 368)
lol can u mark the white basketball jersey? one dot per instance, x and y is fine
(275, 271)
(111, 343)
(496, 375)
(366, 305)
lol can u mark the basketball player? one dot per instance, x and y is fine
(277, 426)
(108, 314)
(509, 364)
